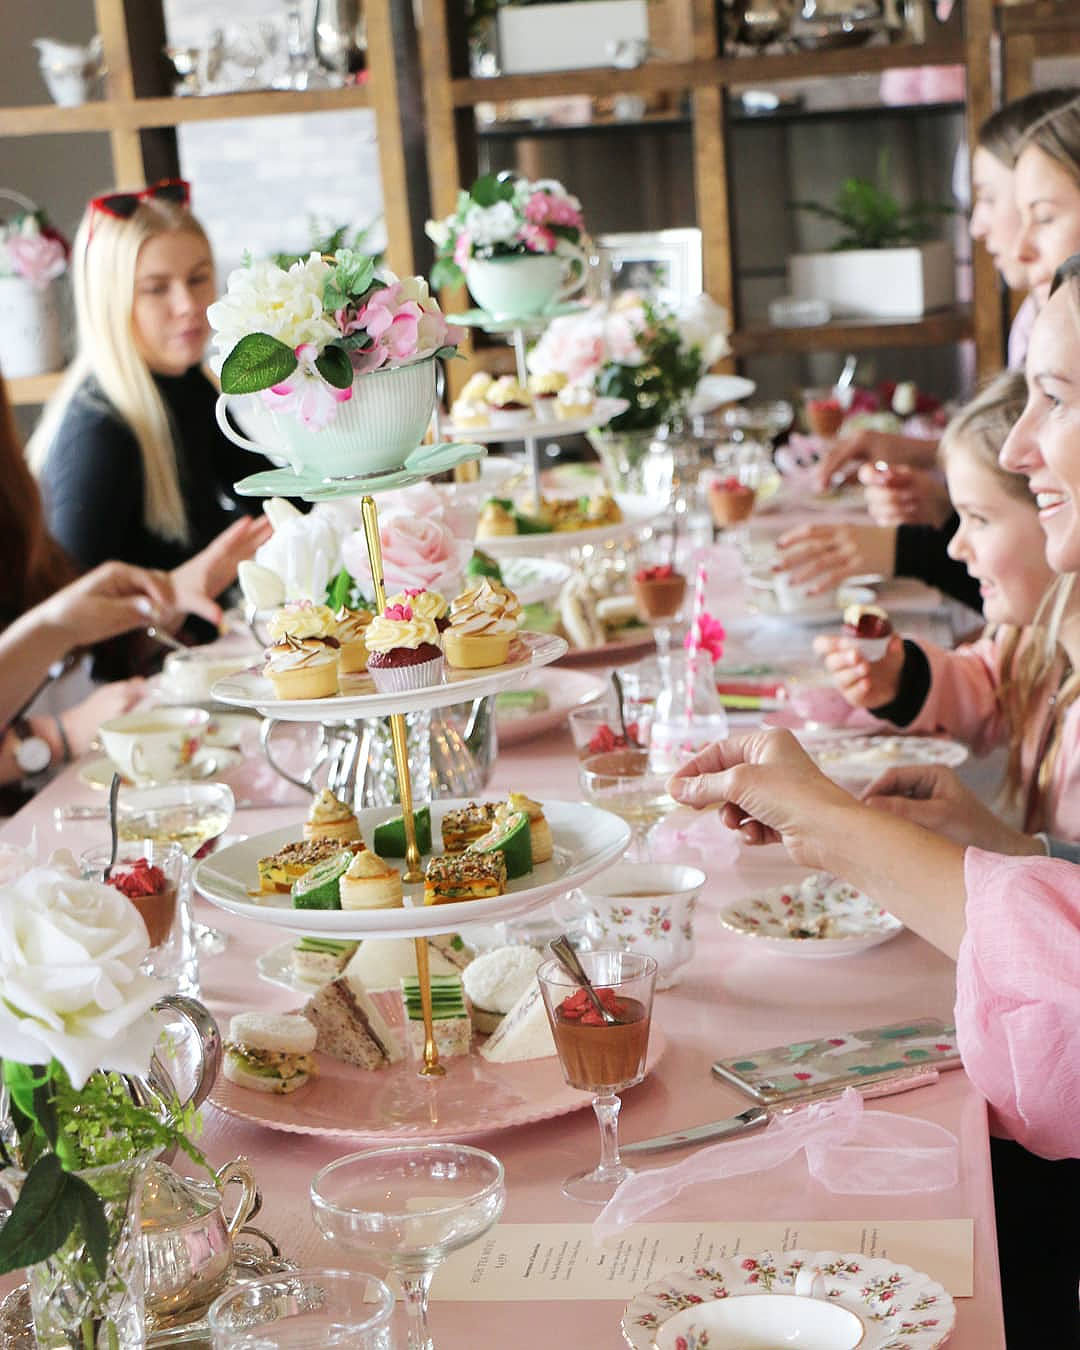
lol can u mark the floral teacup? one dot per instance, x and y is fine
(647, 908)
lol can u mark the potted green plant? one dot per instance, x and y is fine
(885, 262)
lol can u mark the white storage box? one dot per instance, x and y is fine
(569, 36)
(877, 283)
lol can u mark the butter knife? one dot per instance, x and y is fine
(743, 1123)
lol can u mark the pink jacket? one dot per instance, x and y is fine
(963, 702)
(1018, 997)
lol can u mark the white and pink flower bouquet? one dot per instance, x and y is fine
(298, 337)
(500, 216)
(633, 348)
(30, 248)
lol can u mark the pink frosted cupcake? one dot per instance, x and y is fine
(403, 650)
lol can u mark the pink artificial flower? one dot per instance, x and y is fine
(538, 240)
(305, 394)
(417, 552)
(546, 208)
(404, 324)
(403, 613)
(412, 591)
(38, 258)
(710, 637)
(463, 248)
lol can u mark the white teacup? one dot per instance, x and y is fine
(647, 908)
(764, 1322)
(154, 746)
(793, 598)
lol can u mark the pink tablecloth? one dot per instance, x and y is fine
(732, 998)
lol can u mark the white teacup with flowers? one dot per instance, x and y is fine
(515, 243)
(341, 355)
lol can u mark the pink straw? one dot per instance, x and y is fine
(695, 640)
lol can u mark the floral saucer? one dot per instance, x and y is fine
(901, 1308)
(208, 761)
(816, 917)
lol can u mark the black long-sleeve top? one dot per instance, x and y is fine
(92, 480)
(921, 552)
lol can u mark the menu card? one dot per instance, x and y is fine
(544, 1261)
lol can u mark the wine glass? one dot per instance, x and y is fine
(304, 1310)
(598, 1057)
(409, 1207)
(625, 782)
(188, 814)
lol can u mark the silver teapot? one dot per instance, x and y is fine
(187, 1239)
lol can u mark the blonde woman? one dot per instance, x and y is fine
(130, 459)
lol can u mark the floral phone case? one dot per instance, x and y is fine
(860, 1059)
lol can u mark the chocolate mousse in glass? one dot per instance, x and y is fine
(149, 875)
(598, 1056)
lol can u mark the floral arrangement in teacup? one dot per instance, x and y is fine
(634, 348)
(30, 248)
(299, 336)
(74, 1017)
(502, 216)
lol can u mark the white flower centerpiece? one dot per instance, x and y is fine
(342, 356)
(75, 1017)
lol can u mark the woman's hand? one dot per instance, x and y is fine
(825, 554)
(897, 494)
(111, 599)
(846, 453)
(198, 582)
(865, 684)
(81, 723)
(933, 796)
(768, 788)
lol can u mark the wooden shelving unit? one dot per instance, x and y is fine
(139, 118)
(705, 76)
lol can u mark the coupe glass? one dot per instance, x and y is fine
(304, 1310)
(600, 1058)
(188, 814)
(624, 781)
(409, 1208)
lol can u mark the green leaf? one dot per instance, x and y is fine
(486, 190)
(45, 1112)
(446, 272)
(339, 590)
(356, 342)
(43, 1217)
(256, 362)
(335, 367)
(90, 1209)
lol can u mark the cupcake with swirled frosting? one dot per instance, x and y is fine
(350, 629)
(303, 667)
(403, 650)
(427, 604)
(483, 619)
(301, 619)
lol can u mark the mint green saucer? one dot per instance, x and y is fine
(421, 463)
(481, 318)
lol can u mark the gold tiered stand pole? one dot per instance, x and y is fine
(413, 871)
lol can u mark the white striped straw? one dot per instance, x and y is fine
(695, 640)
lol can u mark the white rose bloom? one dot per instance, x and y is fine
(488, 225)
(438, 231)
(264, 299)
(305, 552)
(705, 324)
(70, 985)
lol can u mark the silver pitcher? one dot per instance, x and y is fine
(340, 40)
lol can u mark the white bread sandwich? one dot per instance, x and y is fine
(349, 1027)
(321, 958)
(524, 1033)
(382, 962)
(495, 981)
(269, 1052)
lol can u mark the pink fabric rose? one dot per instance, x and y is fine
(538, 240)
(305, 394)
(416, 553)
(37, 258)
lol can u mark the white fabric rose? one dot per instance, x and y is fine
(498, 224)
(264, 299)
(70, 984)
(705, 324)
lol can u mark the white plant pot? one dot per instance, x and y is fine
(383, 422)
(879, 283)
(30, 329)
(519, 285)
(568, 36)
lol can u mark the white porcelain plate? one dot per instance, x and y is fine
(901, 1308)
(534, 580)
(565, 690)
(816, 917)
(252, 689)
(586, 841)
(715, 390)
(275, 967)
(860, 759)
(532, 428)
(638, 513)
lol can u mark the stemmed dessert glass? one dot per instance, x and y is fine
(599, 1057)
(304, 1310)
(409, 1207)
(188, 814)
(659, 592)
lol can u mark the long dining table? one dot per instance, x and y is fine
(731, 998)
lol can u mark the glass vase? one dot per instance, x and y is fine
(74, 1307)
(628, 462)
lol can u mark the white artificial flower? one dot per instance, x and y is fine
(70, 984)
(487, 225)
(262, 298)
(305, 552)
(705, 324)
(438, 231)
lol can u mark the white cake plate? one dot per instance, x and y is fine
(252, 689)
(599, 415)
(586, 841)
(638, 511)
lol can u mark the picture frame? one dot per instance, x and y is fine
(663, 265)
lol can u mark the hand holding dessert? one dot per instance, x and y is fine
(867, 661)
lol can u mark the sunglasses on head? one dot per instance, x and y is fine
(123, 205)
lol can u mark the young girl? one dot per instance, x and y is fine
(1014, 685)
(131, 461)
